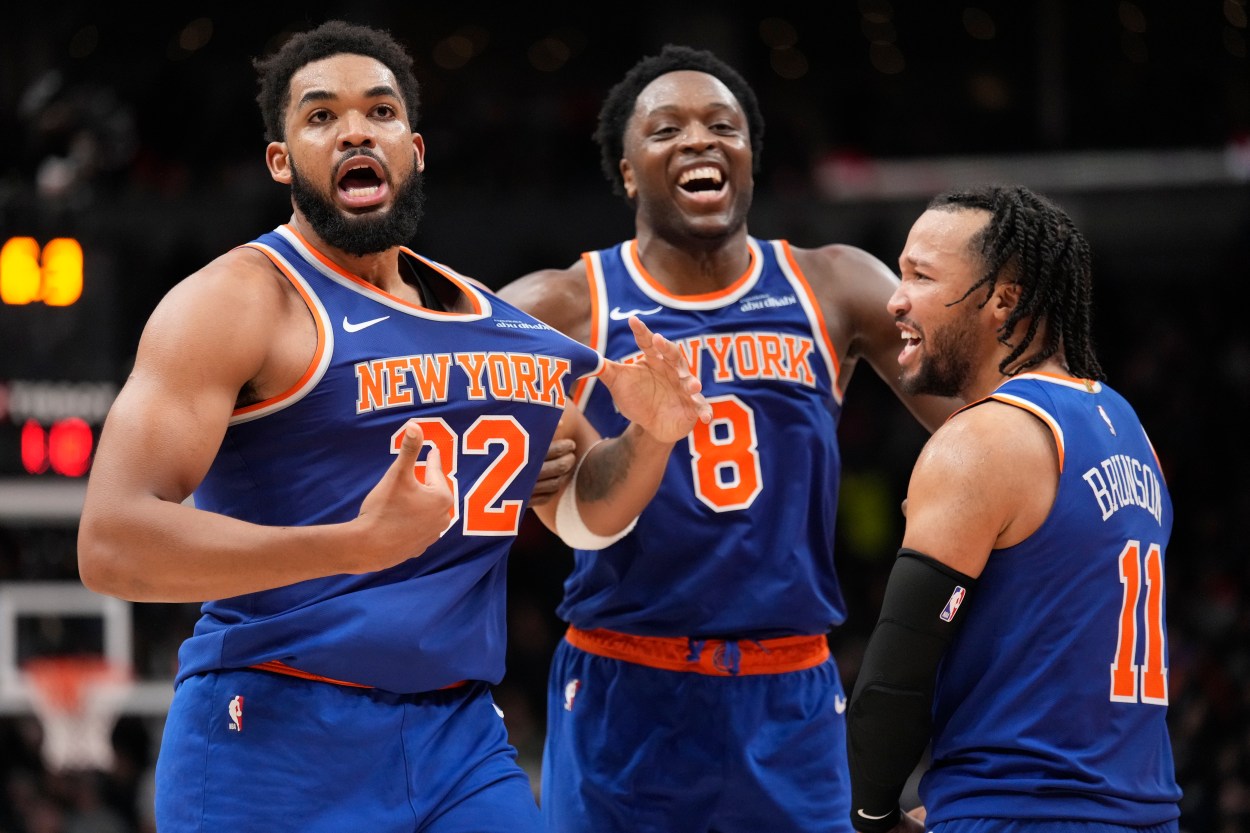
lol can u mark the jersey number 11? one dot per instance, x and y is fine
(1148, 682)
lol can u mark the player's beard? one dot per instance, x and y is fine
(945, 365)
(364, 233)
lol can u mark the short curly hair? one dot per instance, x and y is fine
(619, 105)
(334, 37)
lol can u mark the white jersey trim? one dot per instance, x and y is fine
(801, 291)
(327, 346)
(361, 287)
(627, 254)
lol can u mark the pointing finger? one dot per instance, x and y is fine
(410, 447)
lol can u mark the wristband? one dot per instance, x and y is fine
(570, 527)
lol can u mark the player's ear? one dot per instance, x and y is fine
(1006, 296)
(418, 148)
(627, 180)
(278, 160)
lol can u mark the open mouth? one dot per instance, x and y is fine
(911, 343)
(361, 182)
(360, 179)
(702, 180)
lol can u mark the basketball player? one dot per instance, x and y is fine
(694, 688)
(1032, 564)
(339, 676)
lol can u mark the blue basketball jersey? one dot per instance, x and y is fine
(489, 387)
(739, 540)
(1052, 699)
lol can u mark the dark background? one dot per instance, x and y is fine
(138, 133)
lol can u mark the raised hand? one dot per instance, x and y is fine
(658, 392)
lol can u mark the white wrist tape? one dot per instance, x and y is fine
(570, 526)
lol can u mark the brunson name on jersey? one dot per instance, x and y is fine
(1121, 480)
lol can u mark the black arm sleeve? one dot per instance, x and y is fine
(889, 717)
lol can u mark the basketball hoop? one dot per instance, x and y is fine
(77, 700)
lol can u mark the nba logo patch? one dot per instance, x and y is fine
(952, 604)
(570, 693)
(235, 710)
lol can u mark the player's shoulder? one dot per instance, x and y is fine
(556, 295)
(225, 316)
(990, 467)
(841, 263)
(547, 280)
(989, 437)
(238, 287)
(241, 269)
(852, 286)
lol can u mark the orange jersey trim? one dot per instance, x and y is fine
(678, 653)
(706, 296)
(822, 331)
(282, 668)
(472, 295)
(313, 365)
(1088, 385)
(579, 394)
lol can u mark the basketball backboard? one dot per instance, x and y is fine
(24, 602)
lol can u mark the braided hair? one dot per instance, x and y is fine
(619, 105)
(1036, 244)
(333, 37)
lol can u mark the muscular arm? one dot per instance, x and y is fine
(853, 287)
(231, 325)
(985, 480)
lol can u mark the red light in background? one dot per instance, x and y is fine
(66, 449)
(69, 447)
(34, 448)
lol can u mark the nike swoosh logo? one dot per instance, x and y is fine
(618, 314)
(355, 328)
(839, 703)
(862, 814)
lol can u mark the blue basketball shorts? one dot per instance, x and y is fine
(250, 750)
(1044, 826)
(633, 748)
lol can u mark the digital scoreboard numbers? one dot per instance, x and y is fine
(58, 371)
(50, 427)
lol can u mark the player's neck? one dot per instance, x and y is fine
(378, 268)
(691, 266)
(992, 378)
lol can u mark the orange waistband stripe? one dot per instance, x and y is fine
(282, 668)
(715, 657)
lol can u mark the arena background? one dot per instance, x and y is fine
(136, 133)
